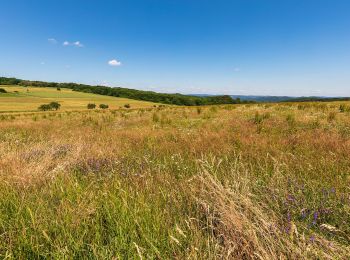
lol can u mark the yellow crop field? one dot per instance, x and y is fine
(29, 99)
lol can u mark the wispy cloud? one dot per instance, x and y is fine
(76, 44)
(52, 40)
(114, 63)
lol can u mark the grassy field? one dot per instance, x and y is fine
(237, 182)
(29, 99)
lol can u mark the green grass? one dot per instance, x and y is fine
(225, 182)
(30, 100)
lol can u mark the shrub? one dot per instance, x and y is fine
(44, 107)
(58, 89)
(91, 106)
(51, 106)
(2, 90)
(127, 106)
(103, 106)
(55, 105)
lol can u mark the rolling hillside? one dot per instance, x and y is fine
(21, 98)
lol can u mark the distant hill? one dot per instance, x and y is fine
(263, 98)
(280, 98)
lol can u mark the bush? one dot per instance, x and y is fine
(127, 106)
(45, 107)
(55, 105)
(91, 106)
(51, 106)
(2, 90)
(103, 106)
(58, 89)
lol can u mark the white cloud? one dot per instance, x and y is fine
(114, 63)
(52, 40)
(76, 44)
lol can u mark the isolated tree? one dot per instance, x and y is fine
(55, 105)
(127, 106)
(91, 106)
(103, 106)
(58, 89)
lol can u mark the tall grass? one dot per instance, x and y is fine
(177, 183)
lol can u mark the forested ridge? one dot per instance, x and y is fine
(174, 99)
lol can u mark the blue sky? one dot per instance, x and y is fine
(263, 47)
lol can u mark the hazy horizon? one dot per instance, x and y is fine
(266, 48)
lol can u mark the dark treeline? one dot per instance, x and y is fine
(174, 99)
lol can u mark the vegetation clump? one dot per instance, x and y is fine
(2, 90)
(103, 106)
(91, 106)
(50, 106)
(344, 108)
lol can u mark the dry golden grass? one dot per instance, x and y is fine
(234, 182)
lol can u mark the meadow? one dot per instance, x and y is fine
(21, 98)
(257, 181)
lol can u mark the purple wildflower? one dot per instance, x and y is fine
(315, 217)
(312, 239)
